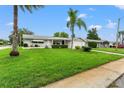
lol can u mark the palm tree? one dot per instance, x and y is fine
(74, 21)
(14, 51)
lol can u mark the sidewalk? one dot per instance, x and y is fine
(100, 77)
(108, 52)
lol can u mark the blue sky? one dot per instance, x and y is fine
(52, 19)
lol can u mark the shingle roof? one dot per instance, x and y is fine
(43, 37)
(36, 37)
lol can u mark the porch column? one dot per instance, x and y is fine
(52, 42)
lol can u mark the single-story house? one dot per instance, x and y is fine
(43, 41)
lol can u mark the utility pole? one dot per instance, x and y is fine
(117, 32)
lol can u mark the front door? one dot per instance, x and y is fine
(62, 42)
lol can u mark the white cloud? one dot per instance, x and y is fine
(10, 24)
(68, 18)
(82, 16)
(111, 24)
(92, 9)
(120, 6)
(98, 27)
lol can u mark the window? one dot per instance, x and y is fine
(38, 42)
(56, 42)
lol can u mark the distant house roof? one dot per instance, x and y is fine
(36, 37)
(91, 40)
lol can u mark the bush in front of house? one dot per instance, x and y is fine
(92, 44)
(55, 46)
(36, 46)
(63, 46)
(25, 45)
(77, 47)
(59, 46)
(87, 49)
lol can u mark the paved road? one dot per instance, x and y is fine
(4, 47)
(119, 83)
(100, 77)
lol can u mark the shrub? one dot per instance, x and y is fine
(1, 43)
(55, 46)
(36, 46)
(25, 45)
(77, 47)
(59, 46)
(92, 44)
(83, 46)
(14, 53)
(87, 49)
(64, 46)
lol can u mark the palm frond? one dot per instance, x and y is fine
(30, 7)
(68, 24)
(80, 23)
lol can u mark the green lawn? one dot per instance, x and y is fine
(119, 50)
(38, 67)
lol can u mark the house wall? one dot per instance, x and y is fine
(46, 42)
(49, 43)
(29, 42)
(76, 43)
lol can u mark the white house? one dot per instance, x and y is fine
(43, 41)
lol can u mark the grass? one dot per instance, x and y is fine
(119, 50)
(39, 67)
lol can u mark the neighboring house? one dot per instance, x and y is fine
(43, 41)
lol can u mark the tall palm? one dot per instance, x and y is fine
(14, 51)
(74, 21)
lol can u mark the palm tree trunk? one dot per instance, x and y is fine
(72, 38)
(14, 51)
(15, 27)
(72, 42)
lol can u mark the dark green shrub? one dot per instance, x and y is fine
(55, 46)
(82, 46)
(77, 47)
(59, 46)
(87, 49)
(1, 43)
(64, 46)
(36, 46)
(25, 45)
(92, 44)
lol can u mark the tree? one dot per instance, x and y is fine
(21, 31)
(92, 34)
(60, 34)
(14, 51)
(3, 42)
(74, 21)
